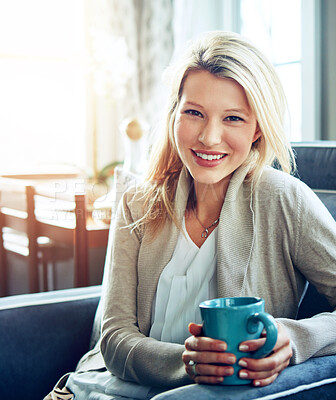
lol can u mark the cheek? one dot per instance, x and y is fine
(176, 133)
(180, 133)
(240, 141)
(177, 138)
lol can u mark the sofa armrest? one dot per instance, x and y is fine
(42, 336)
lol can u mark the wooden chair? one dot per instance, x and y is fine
(65, 223)
(16, 218)
(39, 238)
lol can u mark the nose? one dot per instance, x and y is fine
(211, 133)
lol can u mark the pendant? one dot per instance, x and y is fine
(205, 233)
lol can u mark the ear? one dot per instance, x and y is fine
(257, 134)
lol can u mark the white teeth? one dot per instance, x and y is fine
(209, 156)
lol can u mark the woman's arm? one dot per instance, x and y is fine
(314, 254)
(315, 257)
(127, 352)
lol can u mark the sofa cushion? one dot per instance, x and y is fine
(42, 336)
(313, 303)
(316, 163)
(328, 198)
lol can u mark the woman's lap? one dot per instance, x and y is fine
(102, 385)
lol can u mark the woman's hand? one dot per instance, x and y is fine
(264, 371)
(205, 352)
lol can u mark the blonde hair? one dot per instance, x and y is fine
(225, 55)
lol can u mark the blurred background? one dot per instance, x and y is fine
(71, 71)
(82, 97)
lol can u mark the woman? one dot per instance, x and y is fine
(213, 219)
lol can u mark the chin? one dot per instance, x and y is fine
(209, 178)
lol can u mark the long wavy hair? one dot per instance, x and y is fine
(225, 55)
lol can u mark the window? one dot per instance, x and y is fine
(43, 83)
(46, 111)
(263, 22)
(287, 31)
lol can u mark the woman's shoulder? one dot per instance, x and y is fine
(135, 196)
(279, 186)
(274, 178)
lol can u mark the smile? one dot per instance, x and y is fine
(209, 157)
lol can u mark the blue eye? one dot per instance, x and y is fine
(193, 112)
(233, 118)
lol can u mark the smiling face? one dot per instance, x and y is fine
(214, 127)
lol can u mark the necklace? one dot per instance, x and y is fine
(205, 233)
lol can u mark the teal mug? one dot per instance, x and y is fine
(234, 320)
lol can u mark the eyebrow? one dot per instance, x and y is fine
(237, 110)
(191, 103)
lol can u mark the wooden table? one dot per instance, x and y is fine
(71, 224)
(87, 237)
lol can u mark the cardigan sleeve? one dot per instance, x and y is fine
(315, 257)
(128, 353)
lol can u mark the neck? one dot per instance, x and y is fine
(209, 200)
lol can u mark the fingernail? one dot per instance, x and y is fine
(231, 360)
(222, 347)
(220, 379)
(243, 374)
(242, 363)
(243, 347)
(256, 383)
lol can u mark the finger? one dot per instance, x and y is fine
(212, 379)
(203, 343)
(270, 363)
(251, 345)
(208, 373)
(190, 368)
(208, 357)
(209, 380)
(261, 375)
(213, 370)
(195, 329)
(265, 382)
(211, 374)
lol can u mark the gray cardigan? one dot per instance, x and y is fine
(271, 238)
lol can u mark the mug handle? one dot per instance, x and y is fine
(271, 332)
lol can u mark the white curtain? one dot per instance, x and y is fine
(193, 17)
(146, 26)
(156, 32)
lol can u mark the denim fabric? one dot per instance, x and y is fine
(102, 385)
(293, 383)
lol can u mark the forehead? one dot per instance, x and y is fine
(204, 86)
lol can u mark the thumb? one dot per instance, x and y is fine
(195, 329)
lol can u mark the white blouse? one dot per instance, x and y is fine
(187, 280)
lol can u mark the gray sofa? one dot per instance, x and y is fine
(42, 336)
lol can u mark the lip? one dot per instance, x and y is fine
(208, 163)
(208, 152)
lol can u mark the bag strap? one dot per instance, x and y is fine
(60, 392)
